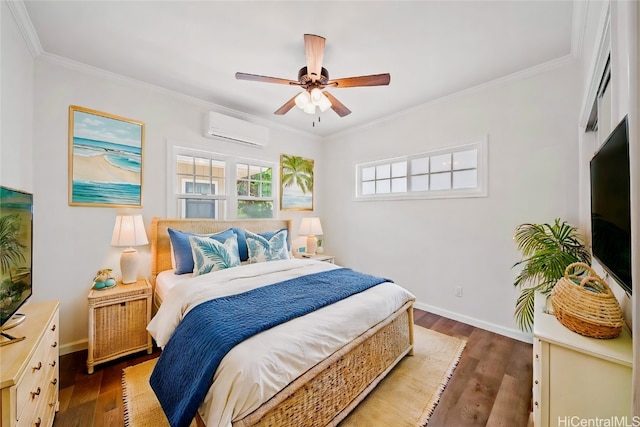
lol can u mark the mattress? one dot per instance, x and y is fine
(165, 281)
(255, 370)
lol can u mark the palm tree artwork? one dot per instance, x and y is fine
(296, 178)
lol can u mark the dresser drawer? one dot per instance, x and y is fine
(29, 387)
(30, 384)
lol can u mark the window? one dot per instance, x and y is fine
(200, 186)
(212, 185)
(254, 185)
(454, 172)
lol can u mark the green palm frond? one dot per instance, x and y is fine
(546, 249)
(298, 171)
(11, 250)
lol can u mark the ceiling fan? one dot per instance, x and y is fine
(314, 78)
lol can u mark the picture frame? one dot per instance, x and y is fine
(296, 183)
(105, 159)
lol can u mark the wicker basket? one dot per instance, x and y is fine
(586, 304)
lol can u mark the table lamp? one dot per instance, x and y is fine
(129, 231)
(311, 227)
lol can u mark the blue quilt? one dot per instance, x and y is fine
(183, 373)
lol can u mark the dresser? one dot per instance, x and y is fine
(29, 374)
(575, 377)
(118, 319)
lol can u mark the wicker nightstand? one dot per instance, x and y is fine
(118, 319)
(321, 257)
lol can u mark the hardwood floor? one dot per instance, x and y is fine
(490, 387)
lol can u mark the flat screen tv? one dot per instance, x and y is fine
(611, 206)
(16, 231)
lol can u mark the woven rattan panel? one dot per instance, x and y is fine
(325, 391)
(122, 327)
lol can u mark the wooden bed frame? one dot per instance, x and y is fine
(329, 391)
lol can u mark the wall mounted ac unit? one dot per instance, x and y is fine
(218, 125)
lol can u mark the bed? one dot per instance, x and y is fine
(320, 388)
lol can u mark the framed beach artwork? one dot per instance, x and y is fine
(296, 180)
(105, 159)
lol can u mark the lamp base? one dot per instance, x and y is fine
(129, 266)
(312, 244)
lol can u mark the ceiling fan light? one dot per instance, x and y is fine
(310, 108)
(316, 95)
(324, 103)
(303, 99)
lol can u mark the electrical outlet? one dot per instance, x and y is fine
(458, 291)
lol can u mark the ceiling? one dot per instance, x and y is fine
(431, 48)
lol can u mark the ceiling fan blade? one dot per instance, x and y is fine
(314, 49)
(372, 80)
(337, 106)
(286, 107)
(265, 79)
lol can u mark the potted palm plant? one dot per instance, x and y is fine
(547, 249)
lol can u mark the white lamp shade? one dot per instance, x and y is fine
(316, 95)
(129, 231)
(310, 108)
(303, 99)
(310, 226)
(324, 103)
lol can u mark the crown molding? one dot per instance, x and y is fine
(578, 25)
(119, 78)
(29, 34)
(519, 75)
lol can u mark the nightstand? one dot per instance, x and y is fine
(322, 257)
(118, 319)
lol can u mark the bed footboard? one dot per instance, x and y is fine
(328, 392)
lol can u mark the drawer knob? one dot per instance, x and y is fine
(35, 393)
(53, 328)
(536, 403)
(37, 368)
(53, 363)
(37, 423)
(55, 381)
(536, 381)
(55, 344)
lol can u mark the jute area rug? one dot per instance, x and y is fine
(405, 398)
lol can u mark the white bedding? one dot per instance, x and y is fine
(255, 370)
(167, 280)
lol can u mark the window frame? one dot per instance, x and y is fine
(481, 189)
(230, 196)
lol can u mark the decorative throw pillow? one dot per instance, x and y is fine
(211, 255)
(181, 247)
(242, 240)
(263, 249)
(242, 243)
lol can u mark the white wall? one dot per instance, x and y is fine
(620, 38)
(16, 108)
(433, 246)
(72, 243)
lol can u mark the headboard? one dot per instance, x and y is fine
(161, 247)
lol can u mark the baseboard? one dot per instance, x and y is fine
(74, 346)
(501, 330)
(511, 333)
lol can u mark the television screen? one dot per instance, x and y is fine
(611, 206)
(16, 228)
